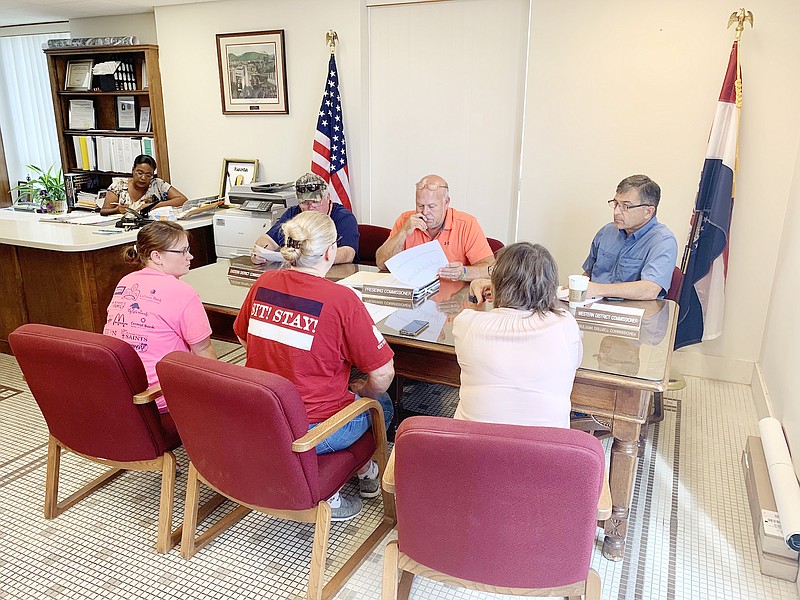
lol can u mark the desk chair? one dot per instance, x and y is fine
(495, 245)
(503, 508)
(260, 454)
(657, 413)
(92, 391)
(370, 238)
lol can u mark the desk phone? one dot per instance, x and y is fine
(256, 205)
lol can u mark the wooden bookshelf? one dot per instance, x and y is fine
(145, 55)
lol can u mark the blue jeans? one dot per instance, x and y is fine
(353, 430)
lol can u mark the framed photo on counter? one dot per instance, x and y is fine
(79, 76)
(126, 113)
(237, 171)
(252, 73)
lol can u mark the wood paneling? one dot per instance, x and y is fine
(69, 289)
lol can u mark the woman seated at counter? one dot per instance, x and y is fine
(518, 360)
(152, 309)
(140, 189)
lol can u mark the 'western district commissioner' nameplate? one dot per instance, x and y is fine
(610, 315)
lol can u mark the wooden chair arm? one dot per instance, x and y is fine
(604, 503)
(149, 395)
(388, 474)
(335, 422)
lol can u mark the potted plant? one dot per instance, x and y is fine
(46, 189)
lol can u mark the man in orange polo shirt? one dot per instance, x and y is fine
(459, 233)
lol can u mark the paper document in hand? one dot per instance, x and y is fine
(268, 255)
(418, 266)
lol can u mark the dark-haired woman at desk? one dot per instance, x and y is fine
(518, 360)
(140, 189)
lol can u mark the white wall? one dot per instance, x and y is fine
(446, 88)
(617, 88)
(781, 349)
(613, 89)
(200, 136)
(141, 25)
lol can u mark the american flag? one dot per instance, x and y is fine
(329, 159)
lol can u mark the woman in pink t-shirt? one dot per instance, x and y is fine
(152, 309)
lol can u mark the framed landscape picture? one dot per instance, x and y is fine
(252, 73)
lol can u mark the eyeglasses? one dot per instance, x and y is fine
(305, 188)
(184, 251)
(311, 201)
(430, 186)
(624, 207)
(143, 174)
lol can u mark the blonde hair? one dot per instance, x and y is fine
(307, 237)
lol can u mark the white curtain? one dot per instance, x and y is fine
(26, 105)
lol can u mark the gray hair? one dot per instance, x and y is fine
(306, 237)
(649, 191)
(525, 277)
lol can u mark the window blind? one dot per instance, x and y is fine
(26, 105)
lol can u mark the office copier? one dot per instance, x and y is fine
(254, 210)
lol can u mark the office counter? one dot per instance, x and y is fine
(63, 274)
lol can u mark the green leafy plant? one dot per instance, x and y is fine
(45, 189)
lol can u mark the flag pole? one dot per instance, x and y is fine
(740, 17)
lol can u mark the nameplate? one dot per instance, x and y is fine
(607, 314)
(604, 329)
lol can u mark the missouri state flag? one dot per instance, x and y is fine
(702, 298)
(329, 158)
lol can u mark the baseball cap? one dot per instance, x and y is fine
(310, 187)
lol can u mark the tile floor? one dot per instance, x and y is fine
(690, 534)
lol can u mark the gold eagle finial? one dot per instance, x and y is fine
(740, 17)
(332, 38)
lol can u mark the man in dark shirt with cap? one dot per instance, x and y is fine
(312, 194)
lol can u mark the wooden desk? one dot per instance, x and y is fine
(614, 383)
(65, 275)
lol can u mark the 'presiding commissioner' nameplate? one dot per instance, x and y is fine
(611, 315)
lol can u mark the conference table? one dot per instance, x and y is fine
(614, 385)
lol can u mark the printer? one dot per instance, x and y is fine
(236, 230)
(255, 209)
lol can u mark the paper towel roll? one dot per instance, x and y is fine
(775, 449)
(783, 480)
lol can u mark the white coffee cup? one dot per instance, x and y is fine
(578, 284)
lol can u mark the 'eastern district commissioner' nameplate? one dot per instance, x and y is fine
(610, 315)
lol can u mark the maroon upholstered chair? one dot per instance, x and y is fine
(370, 238)
(495, 245)
(92, 391)
(503, 508)
(246, 434)
(656, 409)
(674, 291)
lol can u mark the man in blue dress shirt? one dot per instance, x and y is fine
(634, 256)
